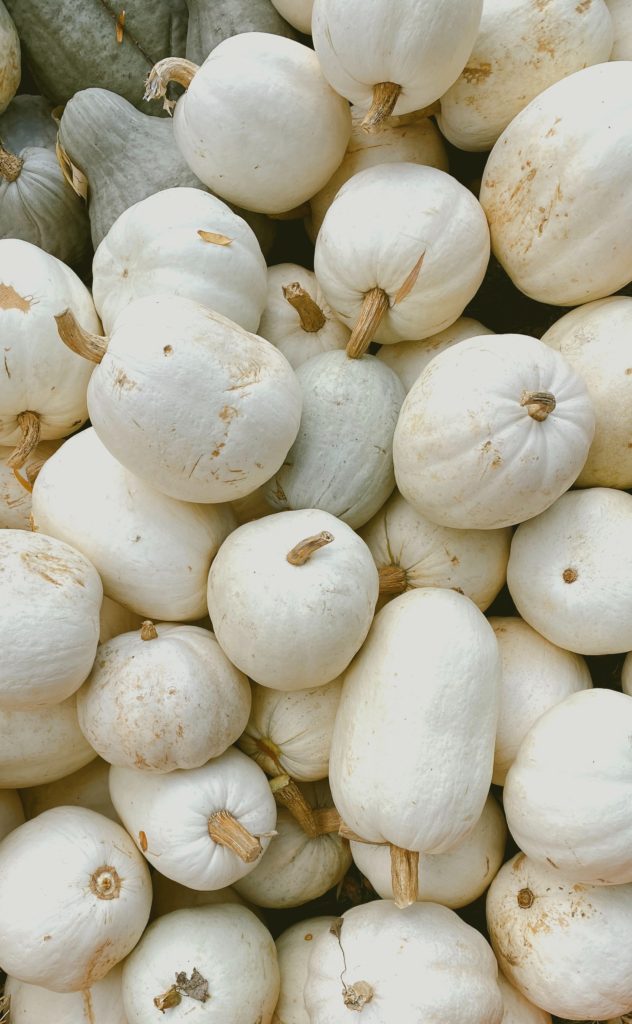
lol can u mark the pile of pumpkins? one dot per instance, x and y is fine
(253, 513)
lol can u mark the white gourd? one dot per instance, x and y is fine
(294, 948)
(519, 1010)
(409, 358)
(50, 595)
(566, 565)
(152, 552)
(75, 897)
(297, 12)
(88, 787)
(41, 745)
(564, 946)
(536, 675)
(297, 318)
(15, 498)
(493, 431)
(102, 1003)
(322, 582)
(11, 811)
(204, 827)
(116, 619)
(621, 14)
(10, 62)
(170, 895)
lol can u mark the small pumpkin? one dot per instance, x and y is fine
(102, 1003)
(11, 811)
(10, 59)
(294, 948)
(87, 787)
(41, 745)
(210, 24)
(410, 358)
(15, 492)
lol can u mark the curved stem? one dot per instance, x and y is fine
(538, 404)
(224, 829)
(171, 69)
(29, 423)
(302, 551)
(28, 486)
(10, 165)
(374, 306)
(385, 96)
(393, 579)
(311, 315)
(148, 631)
(404, 876)
(78, 340)
(288, 794)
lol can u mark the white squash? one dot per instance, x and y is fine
(536, 675)
(116, 619)
(519, 1010)
(102, 1003)
(41, 745)
(564, 946)
(294, 948)
(566, 566)
(161, 698)
(289, 732)
(50, 596)
(493, 431)
(583, 740)
(11, 811)
(204, 827)
(621, 14)
(211, 964)
(421, 963)
(88, 787)
(181, 241)
(401, 251)
(170, 896)
(342, 459)
(397, 57)
(258, 124)
(15, 498)
(10, 62)
(322, 582)
(152, 552)
(595, 339)
(410, 552)
(548, 185)
(75, 897)
(409, 358)
(455, 878)
(297, 12)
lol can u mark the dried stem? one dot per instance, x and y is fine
(311, 315)
(171, 69)
(306, 548)
(356, 996)
(288, 794)
(29, 424)
(148, 631)
(404, 876)
(327, 821)
(353, 837)
(538, 404)
(10, 165)
(224, 829)
(385, 96)
(78, 339)
(374, 306)
(393, 579)
(168, 999)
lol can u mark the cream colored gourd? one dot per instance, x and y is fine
(50, 596)
(455, 878)
(564, 946)
(297, 318)
(585, 737)
(342, 459)
(413, 744)
(70, 880)
(408, 138)
(170, 895)
(401, 251)
(294, 948)
(594, 339)
(414, 964)
(41, 745)
(88, 787)
(10, 62)
(181, 241)
(258, 124)
(168, 353)
(289, 732)
(11, 811)
(410, 552)
(395, 58)
(210, 963)
(566, 565)
(116, 619)
(152, 552)
(621, 15)
(297, 12)
(102, 1003)
(409, 358)
(519, 1010)
(521, 49)
(536, 675)
(43, 386)
(204, 827)
(561, 241)
(15, 497)
(493, 431)
(161, 698)
(322, 582)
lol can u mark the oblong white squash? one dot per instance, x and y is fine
(102, 1003)
(409, 358)
(294, 948)
(73, 880)
(41, 745)
(493, 431)
(88, 787)
(15, 498)
(519, 1010)
(10, 62)
(297, 12)
(11, 811)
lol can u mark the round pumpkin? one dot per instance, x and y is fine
(410, 358)
(41, 745)
(102, 1003)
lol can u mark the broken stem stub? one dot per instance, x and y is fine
(404, 876)
(171, 69)
(10, 165)
(385, 96)
(148, 631)
(393, 579)
(224, 829)
(84, 343)
(356, 996)
(374, 306)
(311, 315)
(538, 404)
(302, 551)
(29, 424)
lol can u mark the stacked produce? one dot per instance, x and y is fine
(315, 511)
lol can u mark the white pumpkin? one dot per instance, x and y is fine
(204, 827)
(621, 14)
(494, 430)
(397, 57)
(401, 251)
(455, 878)
(181, 241)
(548, 185)
(289, 732)
(322, 583)
(41, 745)
(294, 948)
(152, 552)
(297, 318)
(564, 946)
(74, 897)
(10, 62)
(88, 787)
(15, 497)
(536, 675)
(258, 124)
(595, 340)
(421, 963)
(297, 12)
(521, 49)
(519, 1010)
(161, 698)
(116, 619)
(409, 358)
(11, 811)
(342, 459)
(50, 596)
(102, 1003)
(410, 552)
(566, 566)
(170, 896)
(208, 963)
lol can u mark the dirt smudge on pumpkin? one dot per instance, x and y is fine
(51, 568)
(88, 1008)
(123, 382)
(10, 299)
(474, 74)
(228, 412)
(583, 6)
(99, 964)
(245, 375)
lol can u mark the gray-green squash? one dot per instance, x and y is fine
(212, 21)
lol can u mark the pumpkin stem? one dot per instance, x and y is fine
(356, 996)
(78, 340)
(29, 424)
(393, 579)
(310, 313)
(224, 829)
(148, 631)
(525, 899)
(404, 875)
(327, 821)
(168, 999)
(538, 404)
(347, 833)
(385, 96)
(105, 883)
(287, 793)
(23, 480)
(171, 69)
(10, 165)
(306, 548)
(374, 306)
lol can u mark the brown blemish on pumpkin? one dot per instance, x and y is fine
(525, 899)
(454, 560)
(167, 350)
(99, 964)
(569, 575)
(228, 412)
(308, 937)
(51, 568)
(10, 299)
(123, 382)
(88, 1007)
(142, 841)
(518, 861)
(474, 74)
(583, 6)
(551, 130)
(552, 863)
